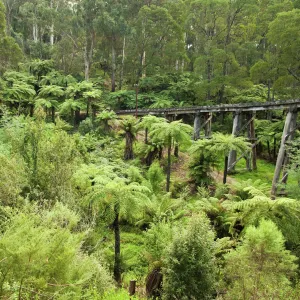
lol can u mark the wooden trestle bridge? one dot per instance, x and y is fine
(203, 119)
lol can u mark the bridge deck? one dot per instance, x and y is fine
(276, 105)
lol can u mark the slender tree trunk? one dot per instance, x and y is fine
(143, 65)
(51, 27)
(53, 114)
(176, 150)
(146, 136)
(169, 166)
(274, 149)
(93, 112)
(35, 32)
(117, 264)
(88, 54)
(88, 107)
(269, 151)
(122, 64)
(113, 66)
(31, 112)
(208, 77)
(160, 153)
(225, 170)
(8, 18)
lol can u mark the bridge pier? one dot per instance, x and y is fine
(237, 120)
(197, 127)
(289, 128)
(251, 160)
(208, 121)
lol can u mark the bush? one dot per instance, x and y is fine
(39, 255)
(260, 267)
(190, 271)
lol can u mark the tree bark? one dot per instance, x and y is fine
(176, 150)
(169, 166)
(53, 114)
(122, 64)
(146, 136)
(225, 170)
(129, 146)
(113, 65)
(117, 263)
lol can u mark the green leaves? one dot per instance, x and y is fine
(260, 267)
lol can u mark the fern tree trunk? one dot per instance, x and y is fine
(146, 136)
(129, 146)
(169, 165)
(117, 263)
(225, 170)
(53, 114)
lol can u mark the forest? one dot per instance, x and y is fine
(101, 201)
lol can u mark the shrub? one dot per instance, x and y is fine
(190, 271)
(260, 267)
(39, 255)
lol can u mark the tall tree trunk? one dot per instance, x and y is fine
(53, 114)
(77, 117)
(35, 33)
(225, 170)
(88, 105)
(8, 18)
(93, 107)
(51, 27)
(144, 65)
(122, 64)
(117, 263)
(88, 54)
(208, 77)
(176, 150)
(269, 151)
(274, 149)
(146, 136)
(113, 65)
(169, 166)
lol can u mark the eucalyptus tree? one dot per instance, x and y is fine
(10, 52)
(156, 34)
(114, 26)
(171, 133)
(284, 35)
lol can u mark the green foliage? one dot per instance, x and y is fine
(49, 156)
(13, 180)
(155, 176)
(190, 270)
(284, 212)
(157, 239)
(39, 255)
(260, 267)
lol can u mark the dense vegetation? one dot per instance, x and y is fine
(90, 201)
